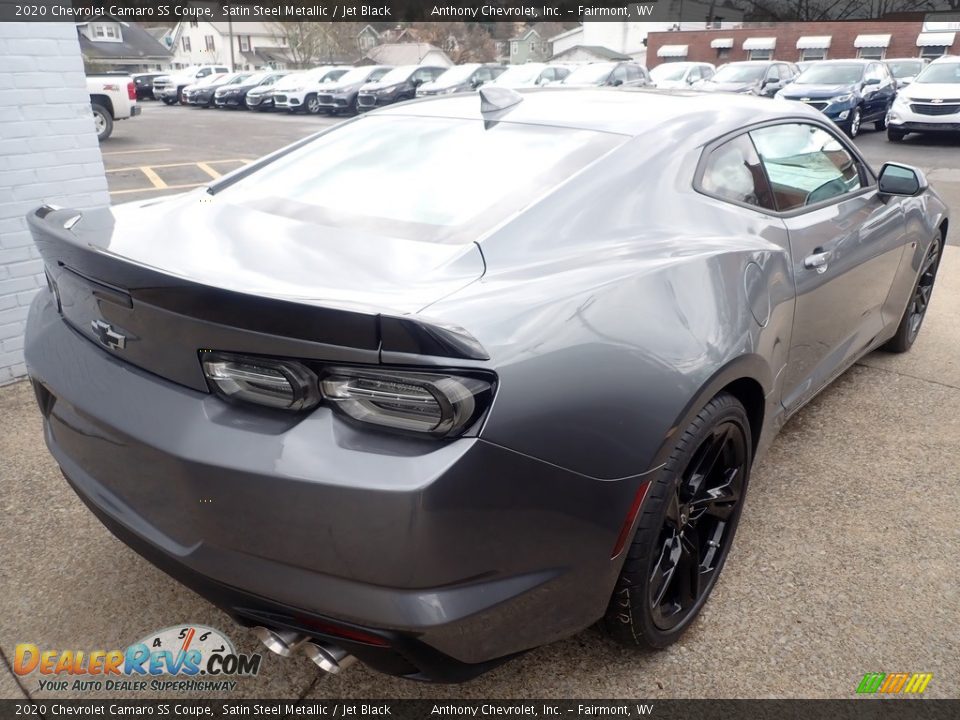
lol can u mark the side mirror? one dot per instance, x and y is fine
(901, 180)
(616, 83)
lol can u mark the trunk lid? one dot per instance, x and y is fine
(154, 283)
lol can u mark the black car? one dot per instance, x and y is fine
(751, 77)
(609, 74)
(203, 94)
(143, 82)
(849, 92)
(234, 95)
(341, 95)
(461, 78)
(401, 83)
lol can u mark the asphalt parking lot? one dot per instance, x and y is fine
(845, 561)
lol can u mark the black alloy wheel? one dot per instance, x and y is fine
(685, 529)
(696, 536)
(916, 311)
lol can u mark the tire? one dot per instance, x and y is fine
(103, 121)
(853, 127)
(311, 106)
(916, 310)
(169, 101)
(636, 614)
(895, 135)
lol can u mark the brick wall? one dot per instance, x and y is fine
(903, 40)
(48, 153)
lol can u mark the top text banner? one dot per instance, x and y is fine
(705, 12)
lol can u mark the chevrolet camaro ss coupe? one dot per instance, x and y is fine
(467, 375)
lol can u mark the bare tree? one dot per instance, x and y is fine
(821, 10)
(308, 43)
(463, 42)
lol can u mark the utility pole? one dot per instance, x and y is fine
(230, 33)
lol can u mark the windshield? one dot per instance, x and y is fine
(940, 73)
(740, 73)
(291, 80)
(208, 80)
(257, 78)
(592, 74)
(397, 75)
(905, 68)
(830, 75)
(668, 71)
(519, 74)
(354, 76)
(234, 79)
(456, 75)
(431, 179)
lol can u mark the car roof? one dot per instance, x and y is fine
(848, 61)
(626, 112)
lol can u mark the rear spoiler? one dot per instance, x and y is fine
(55, 229)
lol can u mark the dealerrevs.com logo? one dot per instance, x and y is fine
(179, 658)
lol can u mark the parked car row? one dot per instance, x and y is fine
(899, 95)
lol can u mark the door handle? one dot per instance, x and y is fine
(818, 261)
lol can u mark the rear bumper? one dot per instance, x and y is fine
(460, 553)
(135, 110)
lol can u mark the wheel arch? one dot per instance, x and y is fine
(748, 378)
(104, 101)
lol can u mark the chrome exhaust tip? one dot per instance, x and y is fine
(281, 642)
(329, 658)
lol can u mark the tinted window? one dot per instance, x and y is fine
(430, 179)
(619, 75)
(774, 74)
(806, 165)
(733, 172)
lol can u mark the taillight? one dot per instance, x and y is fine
(430, 403)
(131, 90)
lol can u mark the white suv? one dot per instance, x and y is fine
(299, 91)
(931, 103)
(169, 87)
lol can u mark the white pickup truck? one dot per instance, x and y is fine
(170, 87)
(112, 97)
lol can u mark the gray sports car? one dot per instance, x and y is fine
(464, 376)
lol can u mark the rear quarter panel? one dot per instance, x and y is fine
(610, 305)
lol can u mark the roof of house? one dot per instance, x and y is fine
(402, 53)
(136, 43)
(599, 51)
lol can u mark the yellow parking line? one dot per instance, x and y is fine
(208, 170)
(134, 152)
(157, 181)
(150, 189)
(181, 164)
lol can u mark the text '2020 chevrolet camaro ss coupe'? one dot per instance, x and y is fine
(464, 376)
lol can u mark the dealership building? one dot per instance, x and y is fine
(806, 41)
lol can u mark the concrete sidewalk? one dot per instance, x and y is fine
(845, 562)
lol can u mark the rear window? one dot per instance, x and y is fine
(432, 179)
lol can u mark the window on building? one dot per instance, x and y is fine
(808, 54)
(244, 43)
(113, 32)
(194, 23)
(933, 51)
(761, 54)
(98, 31)
(723, 53)
(871, 53)
(208, 42)
(514, 48)
(185, 41)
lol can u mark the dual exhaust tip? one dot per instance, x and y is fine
(328, 657)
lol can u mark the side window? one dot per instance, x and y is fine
(694, 74)
(620, 74)
(806, 165)
(422, 75)
(377, 74)
(633, 73)
(204, 72)
(773, 74)
(733, 172)
(548, 75)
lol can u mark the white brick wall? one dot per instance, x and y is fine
(48, 153)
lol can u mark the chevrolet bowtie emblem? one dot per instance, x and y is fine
(107, 336)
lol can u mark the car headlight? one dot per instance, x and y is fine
(433, 403)
(293, 90)
(901, 103)
(842, 98)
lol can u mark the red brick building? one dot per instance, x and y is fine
(802, 41)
